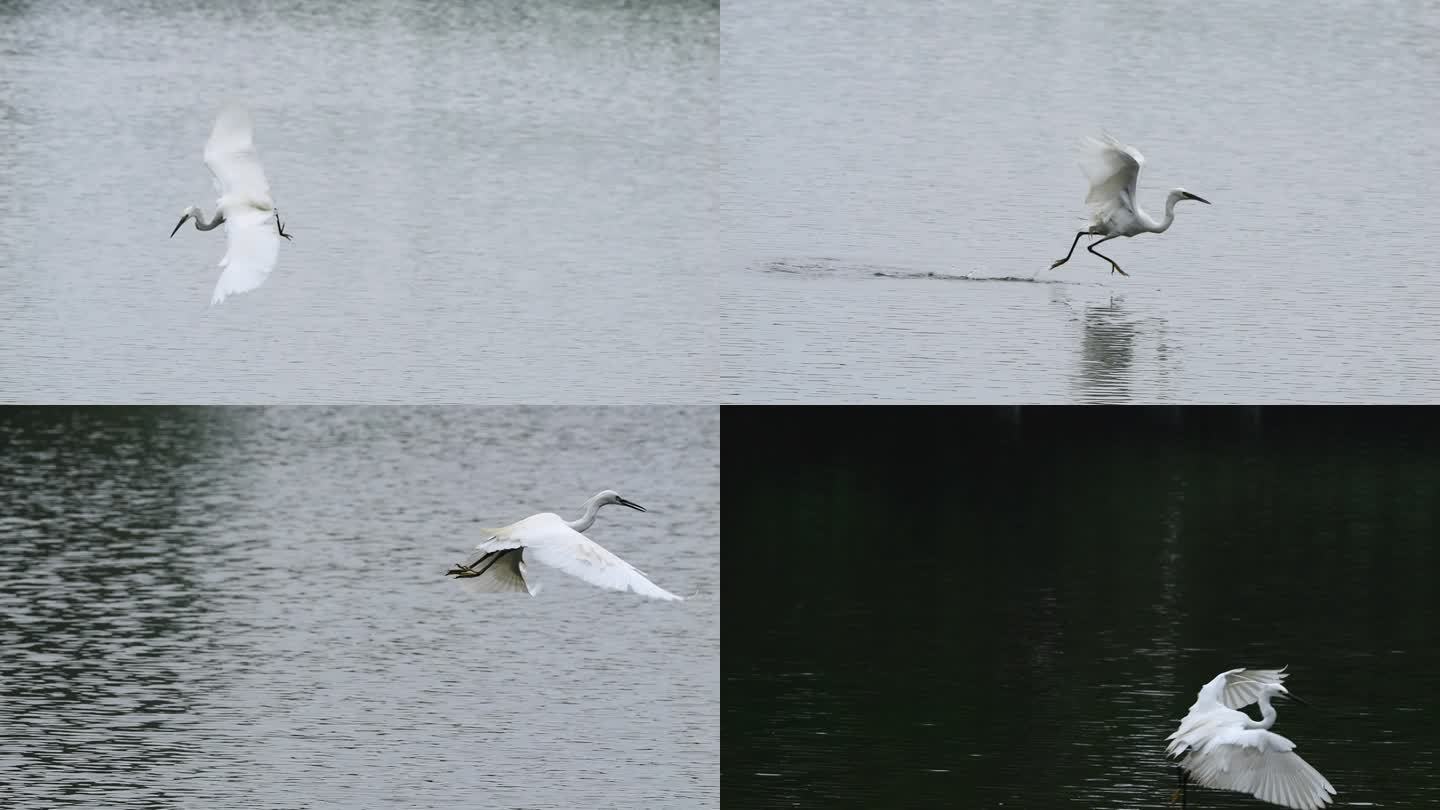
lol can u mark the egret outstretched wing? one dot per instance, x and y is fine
(1113, 170)
(251, 248)
(1263, 764)
(1232, 689)
(550, 539)
(230, 155)
(1224, 748)
(252, 226)
(545, 538)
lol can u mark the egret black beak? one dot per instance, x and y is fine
(637, 507)
(1196, 198)
(1296, 698)
(178, 224)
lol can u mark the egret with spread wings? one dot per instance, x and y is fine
(252, 225)
(1113, 171)
(1223, 748)
(501, 565)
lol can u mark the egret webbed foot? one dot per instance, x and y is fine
(460, 571)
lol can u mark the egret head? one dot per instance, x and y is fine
(1279, 690)
(611, 496)
(1182, 194)
(189, 212)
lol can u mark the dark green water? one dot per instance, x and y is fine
(950, 608)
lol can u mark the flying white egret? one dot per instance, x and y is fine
(550, 539)
(252, 225)
(1224, 749)
(1113, 208)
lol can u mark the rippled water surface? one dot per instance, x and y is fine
(1018, 614)
(247, 608)
(490, 202)
(899, 174)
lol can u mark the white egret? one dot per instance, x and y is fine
(1224, 749)
(550, 539)
(252, 225)
(1113, 208)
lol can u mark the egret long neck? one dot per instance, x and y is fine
(1164, 225)
(1267, 712)
(214, 223)
(582, 523)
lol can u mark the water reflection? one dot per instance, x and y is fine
(1107, 350)
(1118, 346)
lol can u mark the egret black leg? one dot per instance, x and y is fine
(280, 226)
(1114, 268)
(1179, 791)
(492, 562)
(465, 571)
(1059, 262)
(462, 570)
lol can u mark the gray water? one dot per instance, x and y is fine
(897, 174)
(1023, 628)
(229, 607)
(490, 202)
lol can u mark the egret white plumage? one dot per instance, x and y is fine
(1223, 748)
(554, 541)
(252, 225)
(1114, 211)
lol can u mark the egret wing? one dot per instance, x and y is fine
(1203, 722)
(251, 247)
(1237, 688)
(1242, 686)
(1113, 170)
(1263, 764)
(1216, 702)
(548, 540)
(230, 155)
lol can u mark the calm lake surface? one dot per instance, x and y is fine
(490, 202)
(898, 174)
(1019, 614)
(247, 608)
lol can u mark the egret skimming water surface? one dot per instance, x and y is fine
(554, 541)
(1223, 748)
(1114, 210)
(252, 225)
